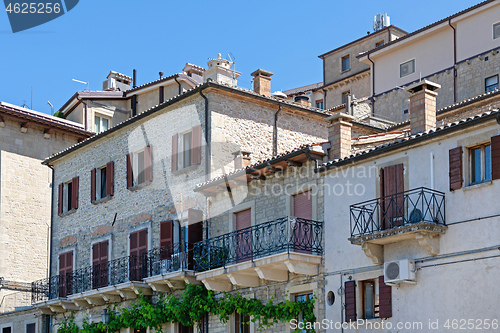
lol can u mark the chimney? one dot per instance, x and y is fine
(241, 159)
(422, 105)
(302, 99)
(262, 82)
(339, 135)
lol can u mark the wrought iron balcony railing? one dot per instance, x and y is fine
(169, 259)
(287, 234)
(410, 207)
(125, 269)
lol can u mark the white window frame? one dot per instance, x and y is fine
(181, 150)
(135, 166)
(495, 25)
(405, 62)
(482, 157)
(489, 77)
(101, 117)
(7, 325)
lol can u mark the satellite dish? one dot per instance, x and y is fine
(279, 94)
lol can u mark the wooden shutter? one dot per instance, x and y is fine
(195, 232)
(92, 185)
(60, 202)
(74, 197)
(65, 271)
(138, 246)
(350, 300)
(148, 164)
(166, 234)
(100, 264)
(393, 205)
(196, 146)
(162, 94)
(130, 176)
(302, 205)
(495, 157)
(244, 219)
(455, 160)
(385, 298)
(110, 178)
(175, 152)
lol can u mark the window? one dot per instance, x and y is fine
(242, 323)
(102, 182)
(491, 83)
(370, 300)
(140, 167)
(65, 273)
(319, 104)
(101, 124)
(344, 96)
(407, 68)
(302, 298)
(100, 259)
(346, 63)
(31, 328)
(186, 149)
(496, 30)
(187, 140)
(68, 196)
(378, 44)
(7, 330)
(138, 248)
(185, 329)
(480, 163)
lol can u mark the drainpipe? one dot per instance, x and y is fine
(49, 243)
(454, 61)
(179, 84)
(373, 85)
(207, 137)
(325, 92)
(341, 304)
(275, 132)
(85, 112)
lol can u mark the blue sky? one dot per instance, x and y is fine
(284, 37)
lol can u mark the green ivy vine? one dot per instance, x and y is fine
(189, 309)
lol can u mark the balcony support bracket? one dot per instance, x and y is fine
(108, 298)
(141, 289)
(301, 267)
(95, 300)
(217, 285)
(126, 294)
(375, 252)
(430, 242)
(175, 284)
(272, 274)
(70, 306)
(159, 287)
(81, 303)
(190, 279)
(243, 280)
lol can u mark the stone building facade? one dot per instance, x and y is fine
(169, 141)
(26, 138)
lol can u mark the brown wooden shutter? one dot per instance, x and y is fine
(196, 146)
(110, 178)
(495, 157)
(195, 232)
(138, 246)
(95, 254)
(302, 205)
(393, 205)
(148, 164)
(162, 94)
(100, 264)
(74, 197)
(103, 252)
(92, 185)
(60, 202)
(350, 300)
(166, 234)
(455, 160)
(175, 141)
(65, 270)
(385, 298)
(244, 219)
(130, 176)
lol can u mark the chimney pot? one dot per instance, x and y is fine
(302, 99)
(423, 106)
(262, 82)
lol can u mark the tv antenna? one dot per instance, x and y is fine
(79, 81)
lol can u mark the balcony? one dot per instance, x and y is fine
(170, 267)
(417, 214)
(267, 251)
(92, 285)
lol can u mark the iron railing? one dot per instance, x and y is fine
(113, 272)
(287, 234)
(413, 206)
(168, 259)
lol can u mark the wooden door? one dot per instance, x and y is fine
(302, 227)
(195, 234)
(100, 265)
(65, 273)
(138, 249)
(243, 241)
(392, 198)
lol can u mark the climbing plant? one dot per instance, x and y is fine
(189, 309)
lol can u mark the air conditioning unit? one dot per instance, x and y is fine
(109, 85)
(399, 271)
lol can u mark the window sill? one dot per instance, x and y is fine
(102, 200)
(139, 186)
(69, 212)
(186, 170)
(346, 71)
(476, 185)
